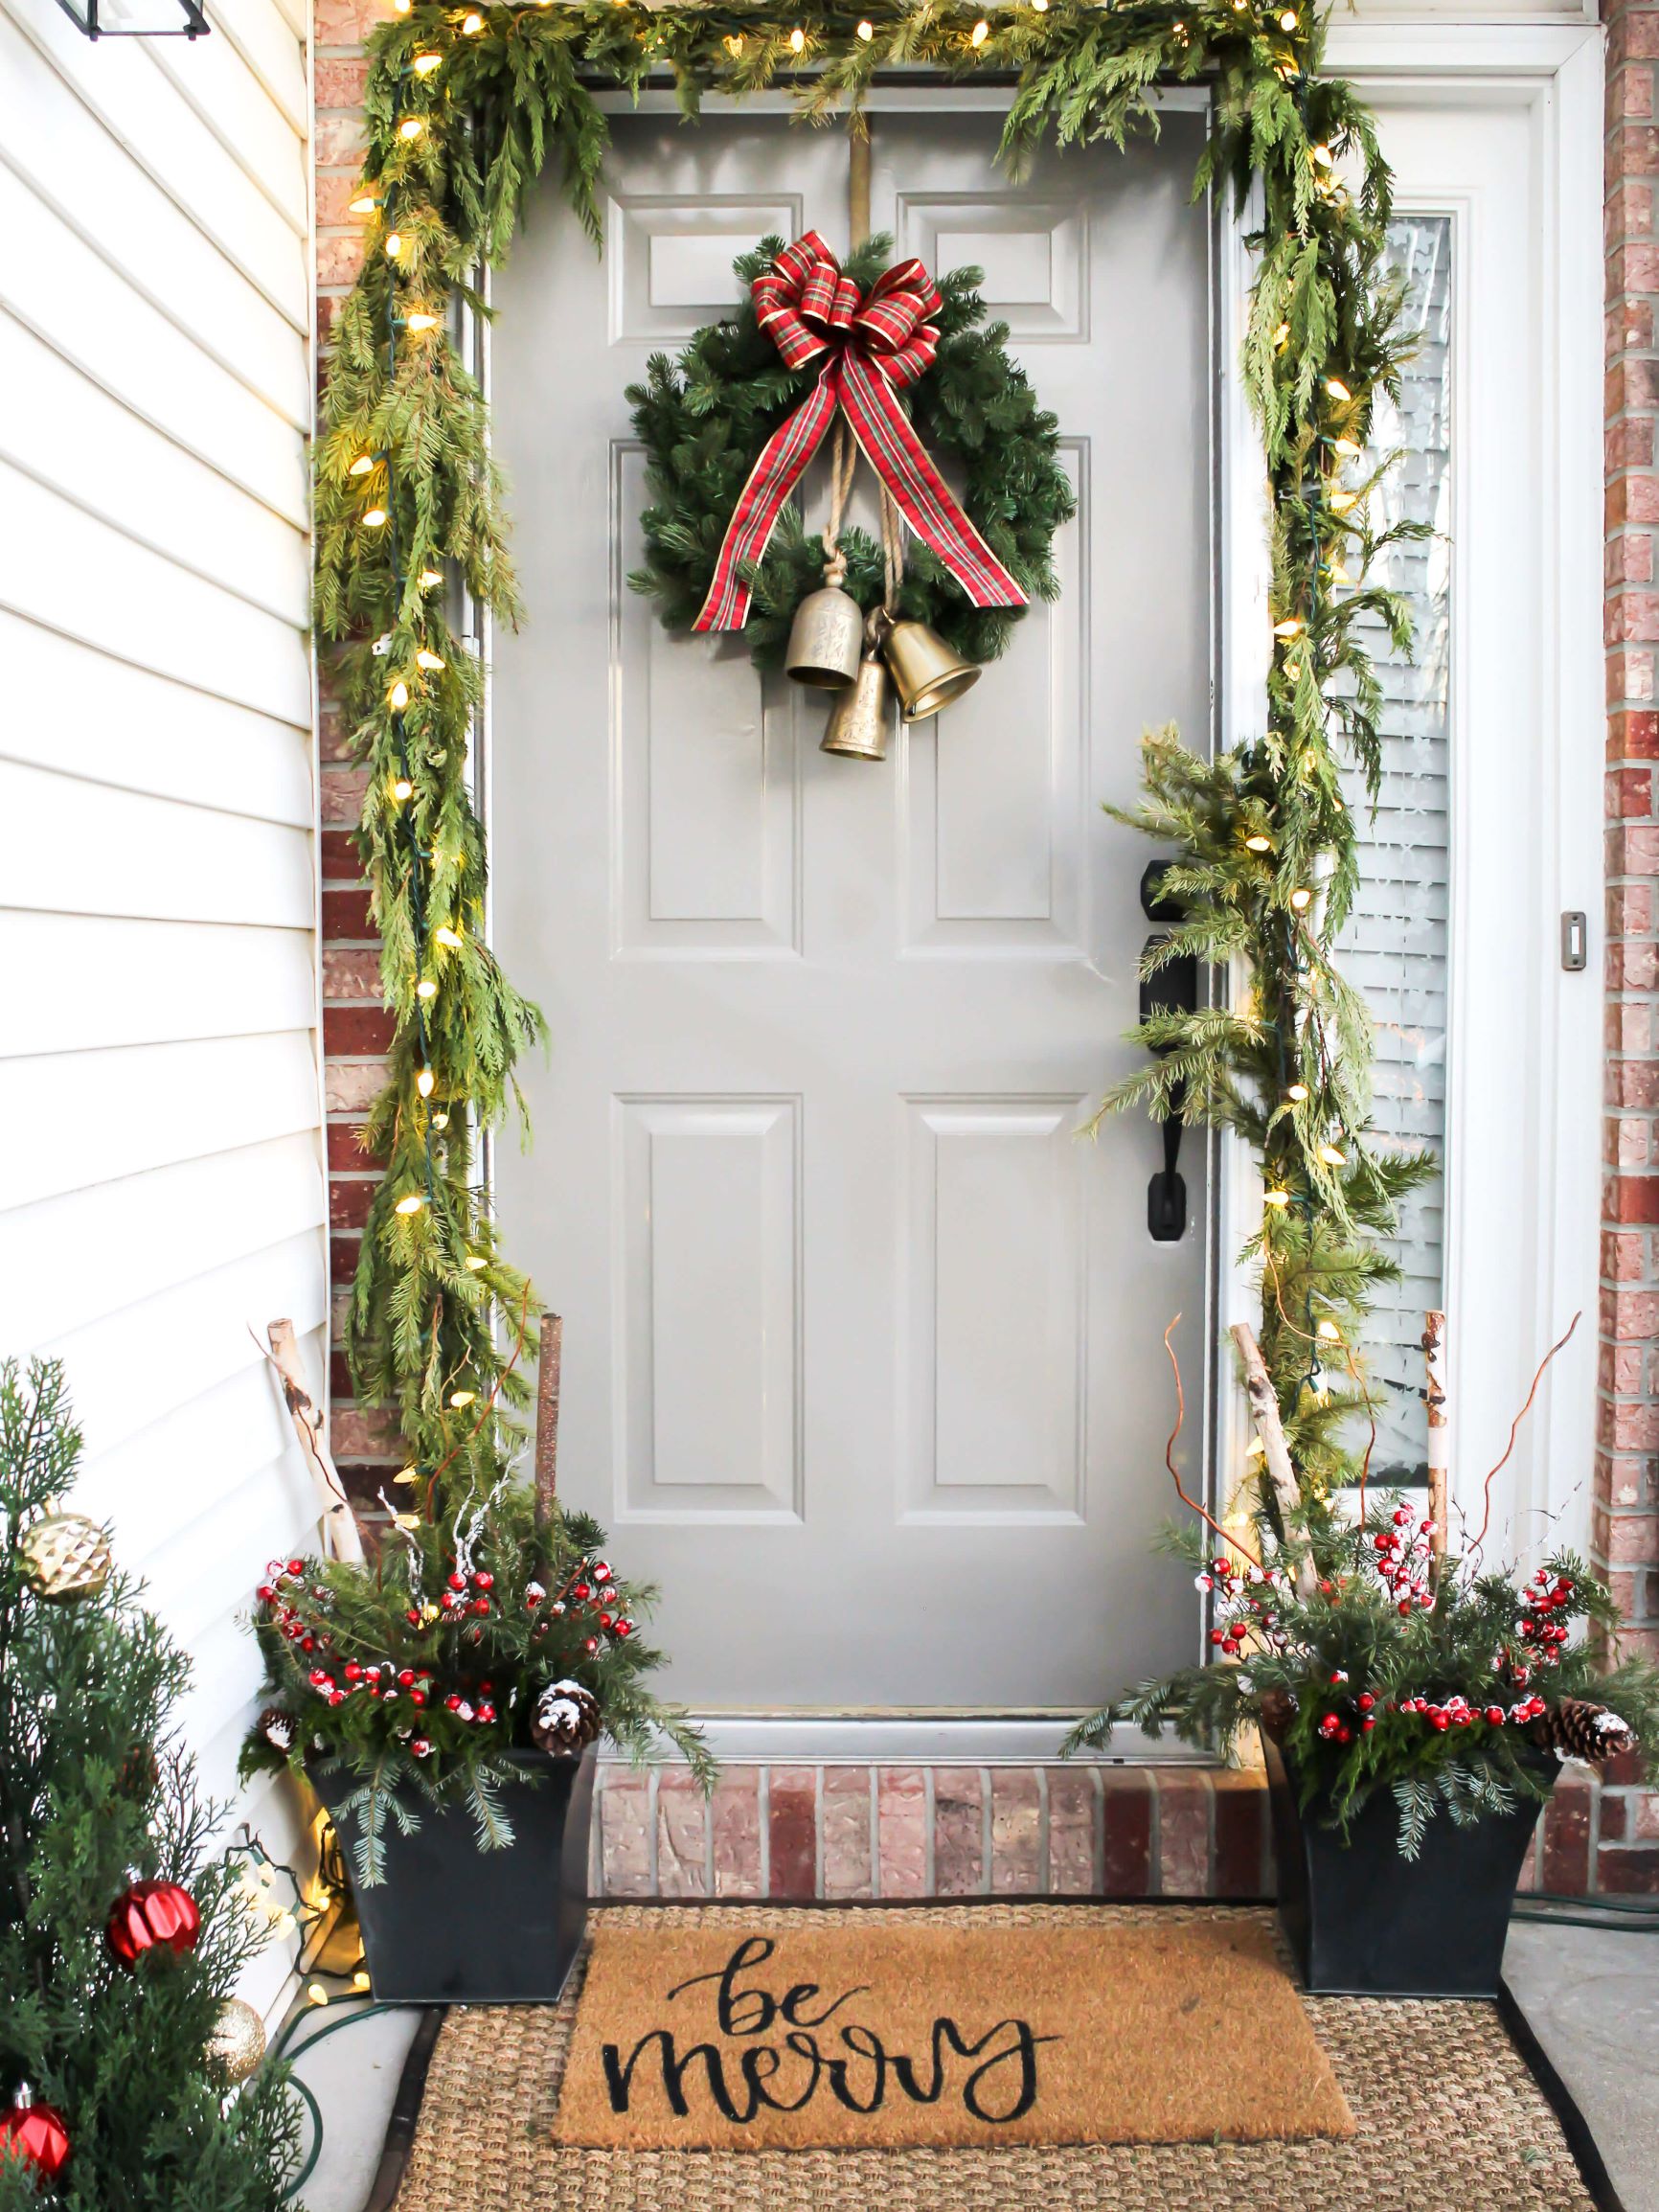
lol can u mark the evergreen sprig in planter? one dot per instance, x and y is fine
(445, 1701)
(1414, 1705)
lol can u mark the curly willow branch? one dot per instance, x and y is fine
(463, 108)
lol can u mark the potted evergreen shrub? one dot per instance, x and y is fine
(445, 1699)
(1413, 1706)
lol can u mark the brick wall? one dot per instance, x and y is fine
(897, 1832)
(1627, 1505)
(356, 1028)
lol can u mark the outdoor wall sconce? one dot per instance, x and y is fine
(136, 18)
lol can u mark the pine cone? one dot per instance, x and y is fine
(1584, 1730)
(277, 1727)
(566, 1720)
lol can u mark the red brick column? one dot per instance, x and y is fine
(356, 1028)
(1626, 1533)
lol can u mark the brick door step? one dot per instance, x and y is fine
(846, 1831)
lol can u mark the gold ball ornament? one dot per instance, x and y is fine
(66, 1557)
(238, 2043)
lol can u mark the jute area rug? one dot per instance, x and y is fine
(1444, 2112)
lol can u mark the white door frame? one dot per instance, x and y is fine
(1523, 1043)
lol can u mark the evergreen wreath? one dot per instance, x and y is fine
(704, 418)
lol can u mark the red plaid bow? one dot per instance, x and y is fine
(870, 349)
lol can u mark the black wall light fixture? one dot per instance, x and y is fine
(136, 18)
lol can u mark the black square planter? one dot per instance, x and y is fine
(454, 1925)
(1364, 1921)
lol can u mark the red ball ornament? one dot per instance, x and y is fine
(35, 2133)
(152, 1916)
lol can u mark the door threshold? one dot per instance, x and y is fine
(929, 1738)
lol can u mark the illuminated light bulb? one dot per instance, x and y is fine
(424, 659)
(1346, 445)
(1337, 389)
(374, 518)
(362, 467)
(1259, 844)
(447, 936)
(1276, 1198)
(472, 25)
(460, 1397)
(1296, 1091)
(797, 40)
(440, 1121)
(426, 1082)
(1329, 1333)
(394, 245)
(1290, 627)
(284, 1923)
(1293, 668)
(1320, 156)
(316, 1993)
(1339, 574)
(402, 790)
(475, 1261)
(1300, 901)
(406, 1520)
(979, 32)
(734, 44)
(1256, 1449)
(426, 987)
(1342, 501)
(365, 204)
(1334, 1156)
(360, 1979)
(866, 31)
(1282, 335)
(407, 1474)
(430, 578)
(398, 698)
(422, 321)
(403, 7)
(1287, 21)
(424, 64)
(411, 127)
(412, 1205)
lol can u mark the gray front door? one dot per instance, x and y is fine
(863, 1356)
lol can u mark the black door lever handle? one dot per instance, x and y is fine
(1172, 988)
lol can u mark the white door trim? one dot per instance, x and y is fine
(1524, 1037)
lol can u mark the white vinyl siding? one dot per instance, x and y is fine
(163, 1197)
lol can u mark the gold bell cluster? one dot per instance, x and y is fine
(833, 648)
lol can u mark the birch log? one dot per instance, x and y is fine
(340, 1537)
(1264, 1412)
(1438, 1433)
(547, 1389)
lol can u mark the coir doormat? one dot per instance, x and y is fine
(866, 2033)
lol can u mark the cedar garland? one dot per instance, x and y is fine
(464, 107)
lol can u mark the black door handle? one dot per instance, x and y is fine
(1173, 989)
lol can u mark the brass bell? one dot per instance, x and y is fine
(858, 719)
(927, 674)
(827, 639)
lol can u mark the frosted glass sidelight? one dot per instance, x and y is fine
(1394, 945)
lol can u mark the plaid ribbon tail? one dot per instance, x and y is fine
(774, 476)
(888, 440)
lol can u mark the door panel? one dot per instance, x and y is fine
(862, 1339)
